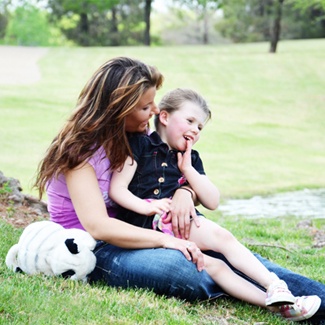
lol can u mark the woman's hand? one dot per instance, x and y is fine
(182, 209)
(188, 248)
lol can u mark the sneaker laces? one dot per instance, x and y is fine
(279, 285)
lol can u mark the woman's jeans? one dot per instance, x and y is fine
(168, 272)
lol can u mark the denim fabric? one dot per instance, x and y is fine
(157, 175)
(167, 272)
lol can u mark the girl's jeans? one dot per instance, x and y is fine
(167, 272)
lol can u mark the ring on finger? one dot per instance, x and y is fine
(188, 245)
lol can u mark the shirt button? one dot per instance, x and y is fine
(161, 179)
(156, 191)
(164, 164)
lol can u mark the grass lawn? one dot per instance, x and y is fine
(267, 135)
(41, 300)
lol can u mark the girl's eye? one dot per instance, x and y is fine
(145, 108)
(189, 120)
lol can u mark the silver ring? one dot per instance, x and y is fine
(188, 245)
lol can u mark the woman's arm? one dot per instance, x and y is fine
(120, 193)
(91, 210)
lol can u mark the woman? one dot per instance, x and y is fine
(76, 171)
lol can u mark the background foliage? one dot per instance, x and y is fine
(138, 22)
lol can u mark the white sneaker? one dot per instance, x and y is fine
(304, 308)
(278, 294)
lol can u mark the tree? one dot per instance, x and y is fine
(104, 22)
(3, 24)
(147, 13)
(307, 4)
(91, 19)
(276, 29)
(303, 5)
(4, 16)
(28, 26)
(202, 8)
(267, 20)
(315, 9)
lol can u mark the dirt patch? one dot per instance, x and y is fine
(17, 208)
(18, 64)
(20, 216)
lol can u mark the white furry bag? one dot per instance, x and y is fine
(46, 247)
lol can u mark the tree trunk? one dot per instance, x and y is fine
(205, 26)
(3, 24)
(84, 29)
(147, 12)
(276, 28)
(114, 29)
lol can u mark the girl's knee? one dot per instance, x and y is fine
(224, 235)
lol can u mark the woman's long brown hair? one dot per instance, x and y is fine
(99, 118)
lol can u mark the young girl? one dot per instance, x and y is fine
(164, 161)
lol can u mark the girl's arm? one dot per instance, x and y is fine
(207, 193)
(120, 193)
(90, 207)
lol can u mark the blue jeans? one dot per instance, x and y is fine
(167, 272)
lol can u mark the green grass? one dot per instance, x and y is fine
(37, 299)
(267, 135)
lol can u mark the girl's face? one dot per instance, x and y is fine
(182, 125)
(138, 119)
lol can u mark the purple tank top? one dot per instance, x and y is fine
(60, 206)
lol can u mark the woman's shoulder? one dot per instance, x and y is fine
(99, 158)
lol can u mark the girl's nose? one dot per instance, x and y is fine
(196, 130)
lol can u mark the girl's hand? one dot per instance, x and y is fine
(184, 161)
(188, 248)
(158, 206)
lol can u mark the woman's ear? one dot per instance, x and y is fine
(163, 117)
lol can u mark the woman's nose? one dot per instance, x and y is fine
(155, 110)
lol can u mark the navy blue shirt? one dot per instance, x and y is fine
(157, 175)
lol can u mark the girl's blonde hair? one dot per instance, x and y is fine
(173, 100)
(99, 118)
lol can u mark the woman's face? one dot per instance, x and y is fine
(138, 119)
